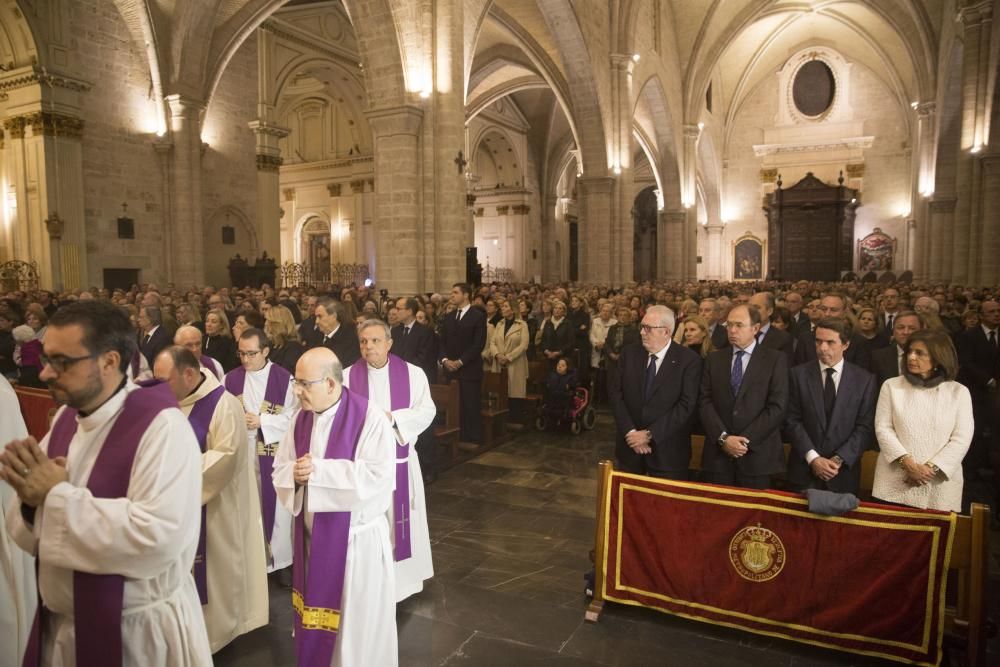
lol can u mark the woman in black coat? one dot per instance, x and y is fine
(219, 343)
(558, 338)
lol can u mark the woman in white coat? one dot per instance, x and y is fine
(924, 427)
(508, 349)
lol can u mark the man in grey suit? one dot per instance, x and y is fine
(744, 393)
(831, 415)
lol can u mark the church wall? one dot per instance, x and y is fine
(885, 185)
(229, 165)
(119, 162)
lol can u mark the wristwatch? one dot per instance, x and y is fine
(837, 459)
(722, 438)
(934, 468)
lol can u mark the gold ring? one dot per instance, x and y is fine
(24, 472)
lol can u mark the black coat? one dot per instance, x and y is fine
(463, 340)
(223, 350)
(720, 337)
(885, 364)
(287, 355)
(848, 434)
(776, 339)
(419, 347)
(159, 341)
(561, 338)
(858, 352)
(667, 412)
(344, 343)
(757, 412)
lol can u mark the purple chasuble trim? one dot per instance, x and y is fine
(318, 586)
(200, 419)
(399, 399)
(98, 598)
(278, 380)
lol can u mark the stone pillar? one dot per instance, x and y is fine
(686, 259)
(595, 231)
(550, 269)
(54, 226)
(911, 244)
(398, 221)
(164, 149)
(670, 259)
(713, 248)
(942, 213)
(268, 186)
(185, 200)
(977, 23)
(989, 248)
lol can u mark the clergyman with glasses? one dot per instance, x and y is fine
(268, 404)
(654, 399)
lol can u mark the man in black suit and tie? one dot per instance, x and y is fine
(744, 394)
(890, 310)
(794, 303)
(412, 341)
(338, 335)
(831, 415)
(709, 311)
(887, 362)
(833, 305)
(768, 336)
(654, 400)
(463, 336)
(308, 331)
(155, 337)
(979, 370)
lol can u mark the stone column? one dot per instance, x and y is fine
(54, 226)
(989, 248)
(550, 269)
(977, 23)
(942, 213)
(713, 247)
(911, 244)
(185, 130)
(686, 259)
(268, 186)
(164, 149)
(398, 221)
(595, 231)
(670, 238)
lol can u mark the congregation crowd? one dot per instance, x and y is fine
(294, 391)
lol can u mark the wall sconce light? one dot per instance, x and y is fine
(635, 57)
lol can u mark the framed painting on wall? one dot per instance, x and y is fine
(748, 258)
(876, 252)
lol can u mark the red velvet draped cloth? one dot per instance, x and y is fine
(37, 408)
(871, 582)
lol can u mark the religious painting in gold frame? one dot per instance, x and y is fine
(876, 252)
(749, 257)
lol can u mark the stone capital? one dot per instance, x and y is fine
(675, 216)
(943, 205)
(622, 62)
(404, 119)
(596, 184)
(691, 131)
(975, 13)
(267, 162)
(44, 123)
(263, 129)
(926, 109)
(184, 107)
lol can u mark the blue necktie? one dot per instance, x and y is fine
(737, 376)
(650, 375)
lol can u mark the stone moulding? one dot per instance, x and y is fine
(761, 150)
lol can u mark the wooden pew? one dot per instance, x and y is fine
(965, 614)
(446, 427)
(495, 409)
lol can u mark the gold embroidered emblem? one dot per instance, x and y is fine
(268, 408)
(267, 449)
(757, 553)
(315, 618)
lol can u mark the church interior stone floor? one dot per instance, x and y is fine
(510, 532)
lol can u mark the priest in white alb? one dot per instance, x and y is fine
(229, 569)
(109, 502)
(18, 591)
(268, 404)
(335, 471)
(400, 389)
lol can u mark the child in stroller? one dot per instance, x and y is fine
(565, 402)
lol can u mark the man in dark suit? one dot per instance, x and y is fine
(308, 331)
(889, 310)
(979, 370)
(833, 305)
(831, 415)
(654, 400)
(155, 337)
(768, 336)
(463, 336)
(412, 341)
(338, 335)
(887, 362)
(709, 311)
(800, 321)
(744, 393)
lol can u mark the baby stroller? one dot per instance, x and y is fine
(565, 402)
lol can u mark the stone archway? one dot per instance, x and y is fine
(644, 237)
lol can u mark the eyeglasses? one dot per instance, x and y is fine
(736, 325)
(249, 354)
(60, 363)
(646, 328)
(305, 384)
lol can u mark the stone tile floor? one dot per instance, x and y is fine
(510, 532)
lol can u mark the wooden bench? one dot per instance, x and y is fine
(446, 426)
(495, 408)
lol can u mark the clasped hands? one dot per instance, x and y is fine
(30, 471)
(641, 442)
(917, 474)
(736, 446)
(252, 421)
(824, 468)
(451, 365)
(302, 469)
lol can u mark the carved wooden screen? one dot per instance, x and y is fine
(810, 229)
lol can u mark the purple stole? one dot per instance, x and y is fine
(399, 399)
(98, 598)
(207, 362)
(200, 419)
(274, 401)
(318, 586)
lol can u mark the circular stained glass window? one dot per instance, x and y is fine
(814, 88)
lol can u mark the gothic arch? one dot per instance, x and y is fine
(659, 129)
(219, 215)
(304, 219)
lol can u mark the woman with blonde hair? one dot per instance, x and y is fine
(286, 347)
(219, 343)
(694, 330)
